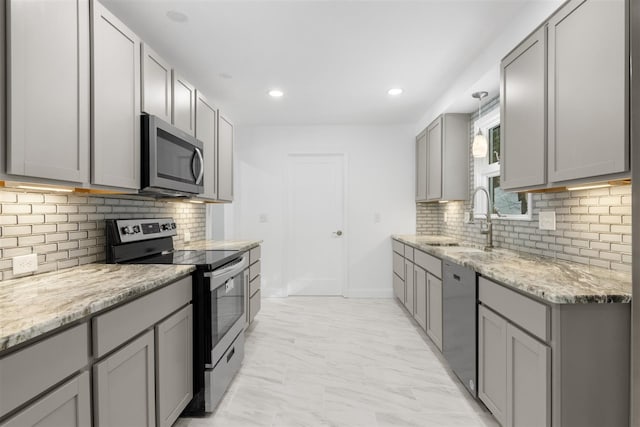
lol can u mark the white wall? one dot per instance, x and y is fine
(380, 179)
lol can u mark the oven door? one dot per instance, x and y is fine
(227, 307)
(172, 160)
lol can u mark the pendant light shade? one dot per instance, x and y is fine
(480, 145)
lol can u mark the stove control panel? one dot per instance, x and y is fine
(133, 230)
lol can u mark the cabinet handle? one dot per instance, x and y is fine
(231, 353)
(455, 276)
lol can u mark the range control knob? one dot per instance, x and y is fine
(165, 227)
(173, 225)
(136, 229)
(127, 230)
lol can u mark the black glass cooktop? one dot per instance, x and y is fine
(208, 260)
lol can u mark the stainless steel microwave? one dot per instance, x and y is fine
(172, 160)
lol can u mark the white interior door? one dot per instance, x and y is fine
(316, 237)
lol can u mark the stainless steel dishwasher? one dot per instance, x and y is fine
(459, 314)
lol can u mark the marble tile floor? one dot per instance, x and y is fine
(331, 361)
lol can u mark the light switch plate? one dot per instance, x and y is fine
(467, 217)
(25, 264)
(446, 217)
(547, 220)
(187, 236)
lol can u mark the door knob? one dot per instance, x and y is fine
(337, 233)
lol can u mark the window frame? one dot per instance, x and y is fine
(483, 171)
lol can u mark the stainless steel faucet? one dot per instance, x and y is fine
(487, 227)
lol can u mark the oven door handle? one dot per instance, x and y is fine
(220, 275)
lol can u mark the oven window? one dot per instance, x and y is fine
(227, 307)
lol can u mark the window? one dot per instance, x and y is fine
(487, 174)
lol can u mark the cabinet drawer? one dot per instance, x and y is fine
(254, 254)
(254, 270)
(430, 263)
(27, 372)
(254, 285)
(398, 265)
(254, 305)
(408, 252)
(524, 312)
(397, 247)
(119, 325)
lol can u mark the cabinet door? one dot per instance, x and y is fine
(69, 405)
(124, 386)
(184, 104)
(48, 89)
(420, 297)
(421, 167)
(409, 286)
(115, 157)
(247, 296)
(225, 159)
(434, 160)
(434, 309)
(528, 380)
(398, 287)
(523, 114)
(588, 87)
(206, 131)
(156, 84)
(174, 365)
(492, 362)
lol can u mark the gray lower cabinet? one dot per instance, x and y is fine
(225, 159)
(124, 386)
(523, 114)
(528, 380)
(252, 280)
(174, 365)
(434, 309)
(69, 405)
(492, 362)
(115, 112)
(48, 72)
(156, 84)
(409, 284)
(207, 132)
(420, 296)
(398, 287)
(183, 112)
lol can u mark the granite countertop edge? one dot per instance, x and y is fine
(560, 282)
(216, 245)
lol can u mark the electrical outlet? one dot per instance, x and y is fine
(547, 220)
(264, 218)
(187, 236)
(467, 217)
(446, 217)
(376, 217)
(25, 264)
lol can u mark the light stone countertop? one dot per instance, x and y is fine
(552, 280)
(34, 305)
(217, 245)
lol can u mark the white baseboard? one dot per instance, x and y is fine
(369, 293)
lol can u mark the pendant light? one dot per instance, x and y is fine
(480, 145)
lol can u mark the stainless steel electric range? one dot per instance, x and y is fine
(218, 300)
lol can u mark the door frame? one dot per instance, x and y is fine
(287, 177)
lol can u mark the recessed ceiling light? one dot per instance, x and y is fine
(176, 16)
(276, 93)
(395, 91)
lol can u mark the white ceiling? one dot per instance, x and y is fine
(335, 60)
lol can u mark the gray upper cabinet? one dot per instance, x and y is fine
(421, 167)
(523, 114)
(564, 100)
(434, 160)
(156, 84)
(442, 159)
(588, 88)
(174, 365)
(225, 159)
(183, 110)
(115, 159)
(48, 73)
(206, 131)
(68, 405)
(124, 386)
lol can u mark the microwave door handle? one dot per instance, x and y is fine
(198, 176)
